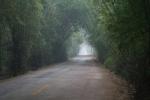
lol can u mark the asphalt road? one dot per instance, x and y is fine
(78, 79)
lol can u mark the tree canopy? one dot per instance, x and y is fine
(122, 40)
(36, 33)
(33, 33)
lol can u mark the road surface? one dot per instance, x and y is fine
(78, 79)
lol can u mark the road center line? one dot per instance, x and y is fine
(41, 89)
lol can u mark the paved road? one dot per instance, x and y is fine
(78, 79)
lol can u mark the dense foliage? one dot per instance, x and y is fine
(73, 43)
(122, 40)
(33, 33)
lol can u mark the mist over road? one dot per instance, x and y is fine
(80, 78)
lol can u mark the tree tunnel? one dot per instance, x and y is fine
(40, 32)
(37, 33)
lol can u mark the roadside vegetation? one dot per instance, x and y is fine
(35, 33)
(122, 40)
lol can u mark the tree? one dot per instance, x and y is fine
(122, 29)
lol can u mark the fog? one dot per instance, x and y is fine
(86, 49)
